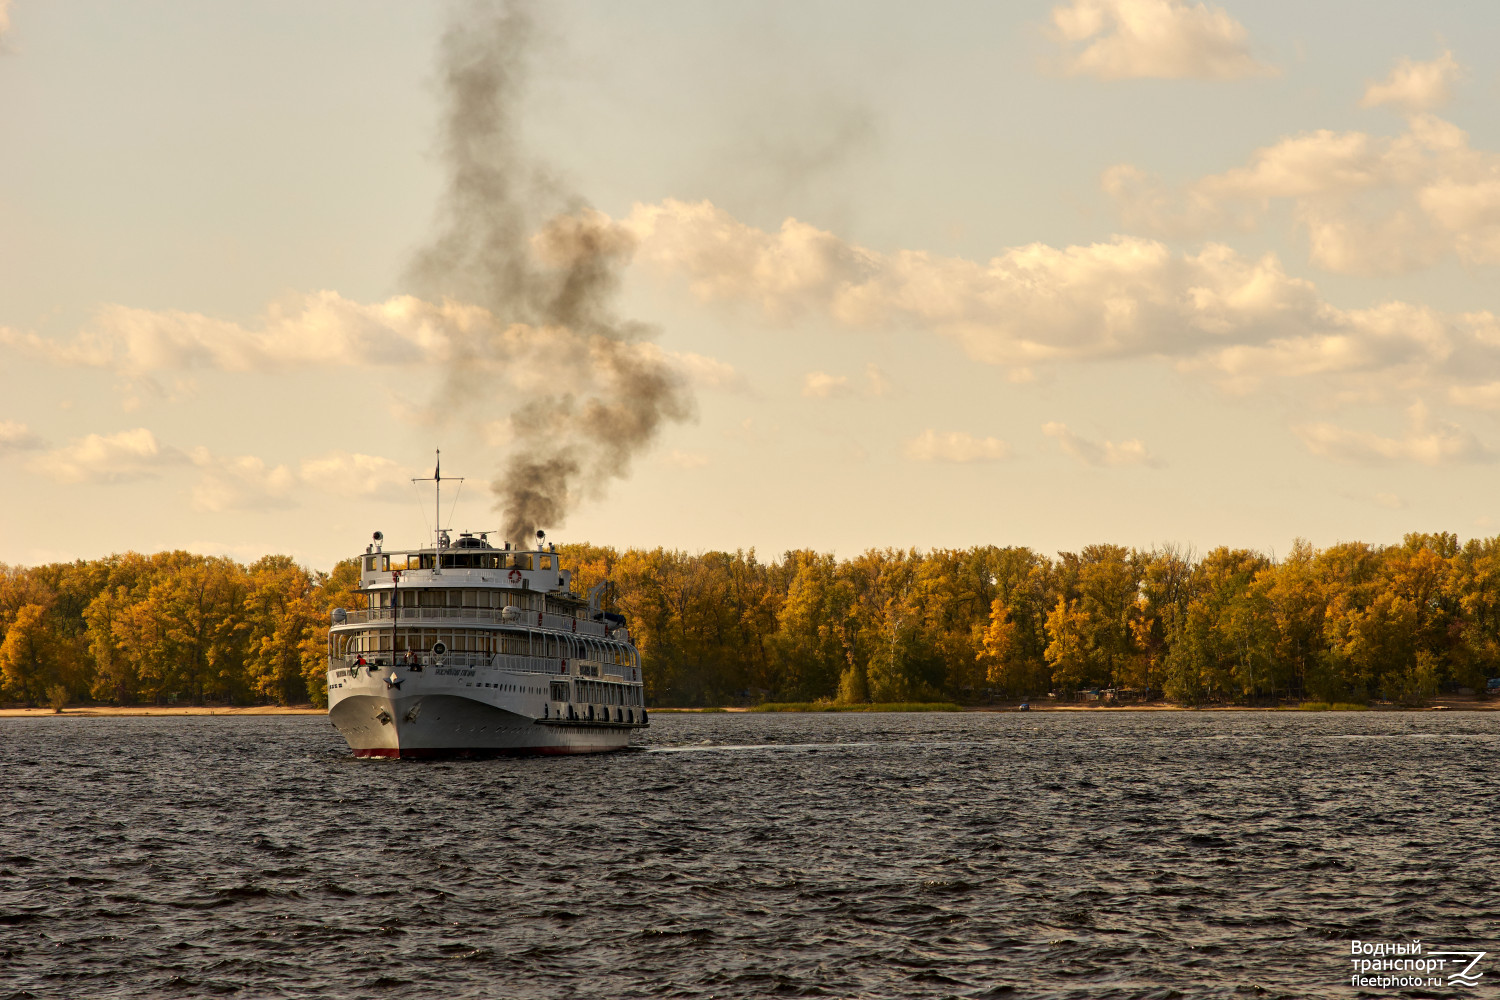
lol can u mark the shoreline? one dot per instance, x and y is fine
(114, 711)
(123, 711)
(1455, 704)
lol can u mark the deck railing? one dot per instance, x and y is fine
(500, 661)
(529, 619)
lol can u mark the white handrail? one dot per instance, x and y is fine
(528, 619)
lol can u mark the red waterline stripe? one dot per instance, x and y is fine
(439, 753)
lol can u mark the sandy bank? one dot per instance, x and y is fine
(1454, 704)
(114, 710)
(1451, 704)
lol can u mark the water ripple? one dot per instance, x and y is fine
(981, 856)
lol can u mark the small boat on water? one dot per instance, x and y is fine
(464, 649)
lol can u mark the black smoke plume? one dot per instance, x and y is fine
(584, 391)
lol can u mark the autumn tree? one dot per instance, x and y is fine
(30, 655)
(815, 636)
(284, 620)
(1073, 666)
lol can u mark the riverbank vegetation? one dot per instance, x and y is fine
(1347, 624)
(172, 628)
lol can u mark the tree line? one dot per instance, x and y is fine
(171, 627)
(1351, 622)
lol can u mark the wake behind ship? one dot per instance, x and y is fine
(464, 649)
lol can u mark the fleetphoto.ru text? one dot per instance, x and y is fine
(1404, 965)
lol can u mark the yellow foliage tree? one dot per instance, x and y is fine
(29, 655)
(1067, 652)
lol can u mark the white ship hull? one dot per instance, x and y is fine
(449, 726)
(430, 715)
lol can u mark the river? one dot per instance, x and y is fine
(1153, 855)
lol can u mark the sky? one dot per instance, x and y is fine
(1035, 273)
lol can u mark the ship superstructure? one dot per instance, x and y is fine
(464, 648)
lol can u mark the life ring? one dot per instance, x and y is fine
(515, 576)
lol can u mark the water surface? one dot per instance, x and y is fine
(945, 855)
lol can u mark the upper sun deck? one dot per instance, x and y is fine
(469, 562)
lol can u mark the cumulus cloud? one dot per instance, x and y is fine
(109, 458)
(243, 483)
(16, 436)
(319, 329)
(955, 446)
(1367, 204)
(1395, 343)
(324, 330)
(357, 475)
(225, 483)
(821, 385)
(249, 483)
(4, 17)
(876, 383)
(1129, 452)
(1171, 39)
(1241, 320)
(1425, 442)
(1415, 86)
(1030, 304)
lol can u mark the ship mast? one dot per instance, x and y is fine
(437, 506)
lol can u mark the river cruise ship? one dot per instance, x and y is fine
(465, 649)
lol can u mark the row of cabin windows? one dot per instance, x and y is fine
(423, 639)
(378, 640)
(598, 693)
(382, 562)
(453, 597)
